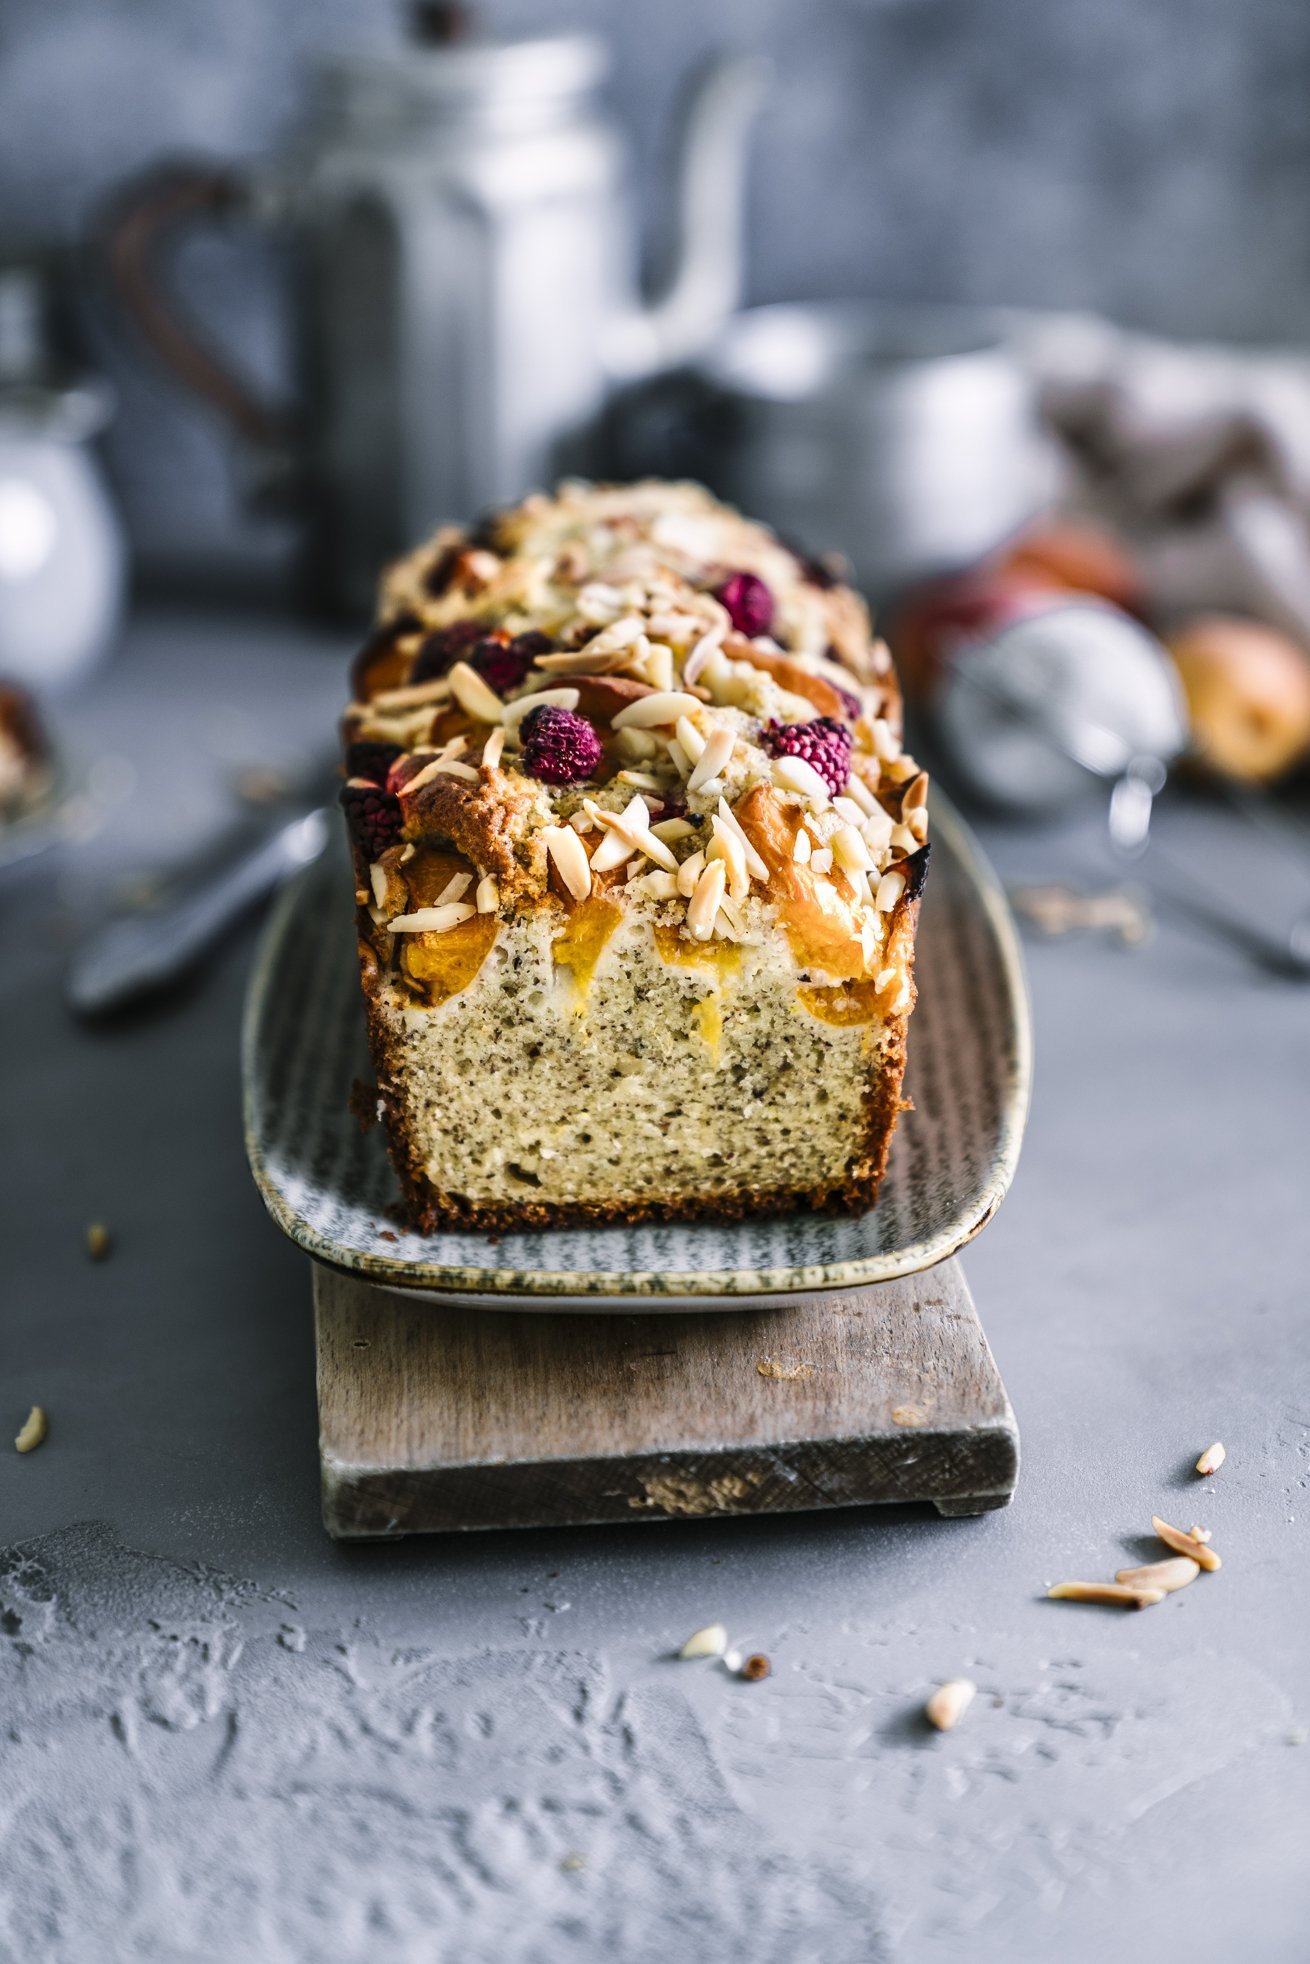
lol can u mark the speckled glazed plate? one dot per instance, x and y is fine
(331, 1188)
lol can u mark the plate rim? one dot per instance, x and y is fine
(712, 1285)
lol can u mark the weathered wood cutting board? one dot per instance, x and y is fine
(435, 1417)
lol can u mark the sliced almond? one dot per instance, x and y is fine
(859, 793)
(689, 872)
(725, 845)
(949, 1703)
(432, 920)
(628, 831)
(704, 902)
(487, 897)
(728, 922)
(33, 1431)
(1173, 1574)
(651, 712)
(494, 748)
(801, 846)
(1211, 1459)
(890, 888)
(455, 888)
(585, 661)
(850, 851)
(1200, 1534)
(886, 744)
(794, 774)
(1186, 1544)
(704, 648)
(412, 696)
(442, 766)
(712, 760)
(670, 829)
(515, 711)
(474, 696)
(754, 864)
(1105, 1592)
(915, 793)
(878, 831)
(569, 857)
(689, 738)
(712, 1641)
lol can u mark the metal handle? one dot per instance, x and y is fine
(136, 233)
(137, 956)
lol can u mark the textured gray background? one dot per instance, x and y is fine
(1148, 157)
(226, 1741)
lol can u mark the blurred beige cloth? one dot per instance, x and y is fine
(1200, 454)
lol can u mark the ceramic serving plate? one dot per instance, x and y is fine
(330, 1186)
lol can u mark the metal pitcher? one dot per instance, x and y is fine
(465, 276)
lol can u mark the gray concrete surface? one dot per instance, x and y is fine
(226, 1741)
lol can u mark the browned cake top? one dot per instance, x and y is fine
(632, 690)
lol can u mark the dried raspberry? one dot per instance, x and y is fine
(749, 603)
(373, 815)
(825, 744)
(443, 649)
(503, 664)
(558, 746)
(371, 759)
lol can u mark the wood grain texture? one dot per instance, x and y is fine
(439, 1418)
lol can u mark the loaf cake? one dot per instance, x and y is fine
(637, 863)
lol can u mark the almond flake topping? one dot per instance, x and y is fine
(705, 901)
(569, 856)
(689, 872)
(628, 832)
(455, 888)
(727, 846)
(475, 696)
(518, 709)
(650, 712)
(713, 759)
(432, 920)
(794, 774)
(754, 864)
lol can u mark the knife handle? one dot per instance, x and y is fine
(139, 955)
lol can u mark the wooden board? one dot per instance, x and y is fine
(435, 1417)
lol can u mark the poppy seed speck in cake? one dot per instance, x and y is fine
(638, 855)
